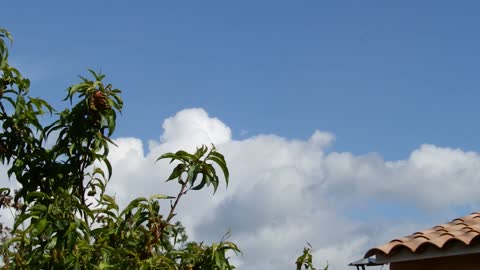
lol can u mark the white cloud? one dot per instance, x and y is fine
(321, 138)
(284, 192)
(432, 176)
(192, 127)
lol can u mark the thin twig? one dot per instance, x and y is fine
(172, 207)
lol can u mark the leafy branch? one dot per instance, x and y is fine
(63, 217)
(193, 166)
(305, 261)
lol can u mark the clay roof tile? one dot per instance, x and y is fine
(464, 229)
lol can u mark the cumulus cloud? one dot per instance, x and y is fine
(432, 176)
(192, 127)
(286, 192)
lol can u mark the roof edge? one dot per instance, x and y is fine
(430, 252)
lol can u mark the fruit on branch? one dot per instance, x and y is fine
(98, 102)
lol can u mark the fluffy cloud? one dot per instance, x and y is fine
(432, 176)
(285, 192)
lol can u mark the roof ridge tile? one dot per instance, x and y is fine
(463, 229)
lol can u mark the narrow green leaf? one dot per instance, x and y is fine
(177, 171)
(168, 155)
(223, 166)
(40, 227)
(160, 197)
(37, 195)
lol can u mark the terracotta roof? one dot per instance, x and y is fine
(464, 230)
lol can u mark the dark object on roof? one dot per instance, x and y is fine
(360, 264)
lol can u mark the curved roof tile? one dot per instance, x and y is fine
(464, 229)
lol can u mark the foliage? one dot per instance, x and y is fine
(306, 260)
(63, 217)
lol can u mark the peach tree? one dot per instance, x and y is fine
(63, 217)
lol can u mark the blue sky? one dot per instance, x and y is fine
(384, 77)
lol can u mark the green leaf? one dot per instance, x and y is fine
(40, 227)
(202, 183)
(110, 201)
(37, 195)
(20, 219)
(215, 184)
(133, 204)
(185, 155)
(200, 152)
(192, 174)
(160, 197)
(168, 155)
(71, 227)
(5, 33)
(109, 167)
(220, 161)
(177, 172)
